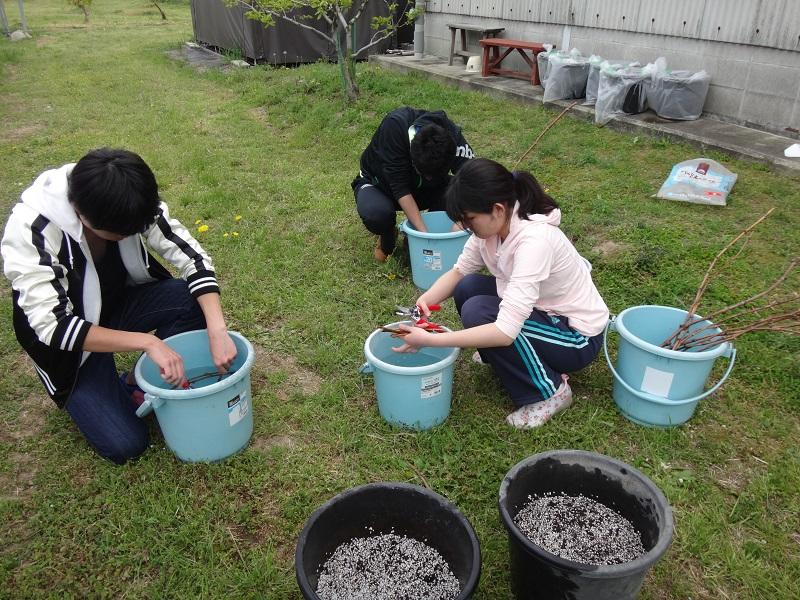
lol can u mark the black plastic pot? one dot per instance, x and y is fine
(535, 572)
(409, 510)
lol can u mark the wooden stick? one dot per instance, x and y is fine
(545, 130)
(707, 278)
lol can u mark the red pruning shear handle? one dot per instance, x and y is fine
(419, 319)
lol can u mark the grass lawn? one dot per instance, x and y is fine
(279, 148)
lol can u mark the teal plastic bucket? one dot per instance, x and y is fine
(414, 389)
(656, 386)
(213, 419)
(435, 251)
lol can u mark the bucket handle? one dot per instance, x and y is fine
(659, 399)
(150, 402)
(365, 369)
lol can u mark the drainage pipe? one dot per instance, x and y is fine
(419, 30)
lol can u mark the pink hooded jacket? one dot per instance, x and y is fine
(537, 267)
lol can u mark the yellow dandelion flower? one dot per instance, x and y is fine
(235, 234)
(547, 189)
(237, 218)
(224, 235)
(202, 228)
(198, 221)
(391, 276)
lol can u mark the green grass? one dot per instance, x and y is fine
(279, 147)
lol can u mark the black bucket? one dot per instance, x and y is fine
(535, 572)
(403, 509)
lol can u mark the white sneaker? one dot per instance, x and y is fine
(539, 413)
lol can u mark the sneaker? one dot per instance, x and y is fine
(134, 391)
(378, 253)
(539, 413)
(477, 358)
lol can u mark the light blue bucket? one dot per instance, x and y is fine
(414, 389)
(435, 251)
(656, 386)
(213, 419)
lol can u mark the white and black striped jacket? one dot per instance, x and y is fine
(55, 287)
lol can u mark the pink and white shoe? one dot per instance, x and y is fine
(539, 413)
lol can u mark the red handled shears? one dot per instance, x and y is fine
(415, 314)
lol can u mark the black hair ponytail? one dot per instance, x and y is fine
(533, 200)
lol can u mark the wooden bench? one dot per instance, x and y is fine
(491, 65)
(485, 32)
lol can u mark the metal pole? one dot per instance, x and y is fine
(22, 15)
(419, 30)
(3, 19)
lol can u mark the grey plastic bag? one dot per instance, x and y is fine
(567, 77)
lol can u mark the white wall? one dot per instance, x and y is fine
(755, 80)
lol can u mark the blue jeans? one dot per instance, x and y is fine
(530, 369)
(99, 404)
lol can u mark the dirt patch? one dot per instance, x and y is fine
(30, 421)
(16, 134)
(44, 40)
(18, 483)
(264, 444)
(609, 248)
(734, 475)
(297, 378)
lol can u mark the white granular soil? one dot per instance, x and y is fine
(386, 567)
(579, 529)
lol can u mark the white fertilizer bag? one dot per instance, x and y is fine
(701, 181)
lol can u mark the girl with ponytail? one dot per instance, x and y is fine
(538, 316)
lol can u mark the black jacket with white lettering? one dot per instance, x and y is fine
(386, 162)
(55, 287)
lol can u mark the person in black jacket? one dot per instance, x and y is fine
(407, 167)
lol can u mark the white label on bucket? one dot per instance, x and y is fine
(657, 382)
(237, 409)
(431, 259)
(431, 385)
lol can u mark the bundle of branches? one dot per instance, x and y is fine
(773, 309)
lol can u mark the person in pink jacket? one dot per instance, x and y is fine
(538, 316)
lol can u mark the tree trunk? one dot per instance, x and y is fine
(347, 64)
(85, 13)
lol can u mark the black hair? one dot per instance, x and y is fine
(433, 150)
(114, 190)
(481, 182)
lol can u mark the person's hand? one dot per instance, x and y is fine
(423, 306)
(169, 361)
(413, 340)
(223, 350)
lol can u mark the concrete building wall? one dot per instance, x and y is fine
(750, 48)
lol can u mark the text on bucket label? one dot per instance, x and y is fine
(237, 409)
(431, 385)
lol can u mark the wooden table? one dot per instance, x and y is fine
(485, 32)
(490, 65)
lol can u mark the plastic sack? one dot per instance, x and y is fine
(621, 89)
(593, 79)
(543, 63)
(678, 95)
(701, 181)
(566, 77)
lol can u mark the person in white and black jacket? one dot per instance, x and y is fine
(84, 286)
(407, 167)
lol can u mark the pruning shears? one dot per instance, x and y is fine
(415, 314)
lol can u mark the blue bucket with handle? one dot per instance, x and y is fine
(433, 252)
(214, 418)
(414, 389)
(656, 386)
